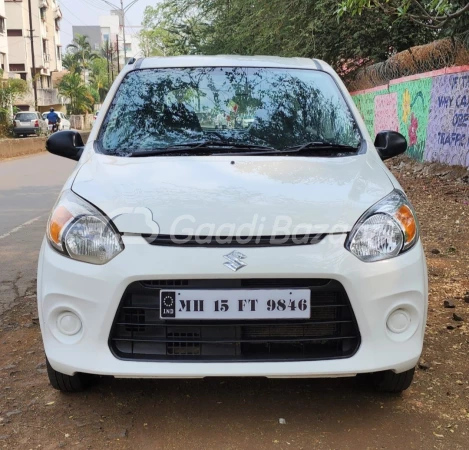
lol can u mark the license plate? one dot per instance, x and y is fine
(247, 304)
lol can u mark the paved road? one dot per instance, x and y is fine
(28, 189)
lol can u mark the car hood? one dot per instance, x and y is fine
(233, 196)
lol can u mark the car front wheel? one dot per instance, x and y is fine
(67, 383)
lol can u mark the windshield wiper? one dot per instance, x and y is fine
(204, 146)
(320, 145)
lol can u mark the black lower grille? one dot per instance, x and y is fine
(331, 331)
(234, 241)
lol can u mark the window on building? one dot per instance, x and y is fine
(106, 37)
(2, 25)
(2, 60)
(59, 52)
(22, 76)
(57, 24)
(43, 13)
(128, 47)
(14, 32)
(17, 68)
(45, 50)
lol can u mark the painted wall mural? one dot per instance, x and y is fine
(448, 128)
(386, 112)
(366, 106)
(430, 110)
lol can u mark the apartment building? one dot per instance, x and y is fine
(46, 16)
(3, 41)
(111, 29)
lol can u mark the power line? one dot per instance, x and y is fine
(94, 5)
(123, 10)
(71, 12)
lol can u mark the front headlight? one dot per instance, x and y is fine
(386, 230)
(79, 230)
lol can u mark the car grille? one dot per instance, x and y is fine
(233, 241)
(331, 331)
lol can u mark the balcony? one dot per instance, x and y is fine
(46, 97)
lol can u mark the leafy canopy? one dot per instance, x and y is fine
(80, 96)
(278, 27)
(10, 90)
(434, 14)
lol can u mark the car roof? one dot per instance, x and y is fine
(231, 61)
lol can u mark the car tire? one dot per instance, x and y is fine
(66, 383)
(389, 381)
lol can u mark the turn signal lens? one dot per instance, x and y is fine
(407, 222)
(59, 218)
(386, 230)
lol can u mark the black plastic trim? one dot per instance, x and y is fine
(233, 241)
(149, 301)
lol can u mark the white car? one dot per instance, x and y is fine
(286, 249)
(64, 122)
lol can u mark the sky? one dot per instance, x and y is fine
(86, 12)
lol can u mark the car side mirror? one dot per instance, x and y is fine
(390, 144)
(68, 144)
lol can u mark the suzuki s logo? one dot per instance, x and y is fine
(234, 260)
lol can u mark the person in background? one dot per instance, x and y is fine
(53, 119)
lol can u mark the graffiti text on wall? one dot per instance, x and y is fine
(448, 125)
(432, 112)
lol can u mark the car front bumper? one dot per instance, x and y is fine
(94, 293)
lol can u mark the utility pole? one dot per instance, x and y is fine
(111, 51)
(107, 59)
(31, 37)
(118, 55)
(122, 10)
(123, 30)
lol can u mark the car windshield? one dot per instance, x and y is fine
(26, 116)
(277, 108)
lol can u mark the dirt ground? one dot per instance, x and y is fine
(244, 413)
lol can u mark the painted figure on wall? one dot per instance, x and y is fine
(413, 109)
(414, 124)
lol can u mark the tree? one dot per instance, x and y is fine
(434, 14)
(10, 90)
(99, 80)
(80, 55)
(72, 87)
(69, 62)
(174, 28)
(285, 28)
(153, 38)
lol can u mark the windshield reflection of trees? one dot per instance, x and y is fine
(155, 108)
